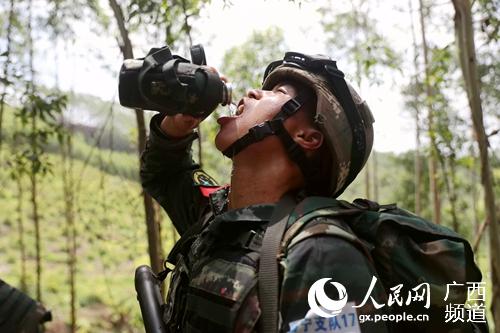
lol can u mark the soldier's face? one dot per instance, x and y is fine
(255, 108)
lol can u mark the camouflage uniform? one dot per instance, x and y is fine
(215, 286)
(19, 313)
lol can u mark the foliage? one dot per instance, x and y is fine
(489, 16)
(61, 15)
(44, 110)
(353, 37)
(167, 18)
(244, 66)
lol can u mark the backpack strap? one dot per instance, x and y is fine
(295, 216)
(268, 267)
(327, 222)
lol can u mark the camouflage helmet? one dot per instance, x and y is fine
(331, 118)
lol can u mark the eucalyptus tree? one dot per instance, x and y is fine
(60, 15)
(5, 79)
(424, 11)
(464, 30)
(39, 118)
(447, 122)
(11, 81)
(415, 106)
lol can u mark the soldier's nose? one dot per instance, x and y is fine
(254, 93)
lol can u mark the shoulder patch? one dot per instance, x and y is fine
(201, 178)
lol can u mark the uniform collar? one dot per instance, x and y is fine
(253, 213)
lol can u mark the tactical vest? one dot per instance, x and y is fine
(213, 285)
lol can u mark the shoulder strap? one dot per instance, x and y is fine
(268, 267)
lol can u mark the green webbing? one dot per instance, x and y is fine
(268, 267)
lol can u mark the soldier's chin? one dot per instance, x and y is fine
(222, 142)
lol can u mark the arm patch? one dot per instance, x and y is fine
(201, 178)
(204, 182)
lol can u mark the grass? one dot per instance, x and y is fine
(111, 240)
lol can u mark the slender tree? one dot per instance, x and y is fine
(35, 166)
(467, 52)
(152, 225)
(56, 22)
(433, 176)
(416, 83)
(5, 79)
(446, 121)
(20, 226)
(66, 147)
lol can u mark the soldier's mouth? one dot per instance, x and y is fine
(225, 119)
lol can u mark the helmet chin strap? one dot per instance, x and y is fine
(275, 126)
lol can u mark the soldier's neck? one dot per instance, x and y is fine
(262, 179)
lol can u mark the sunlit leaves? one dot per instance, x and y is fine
(40, 119)
(353, 37)
(244, 64)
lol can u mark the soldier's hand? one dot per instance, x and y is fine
(179, 125)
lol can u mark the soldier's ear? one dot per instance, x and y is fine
(308, 138)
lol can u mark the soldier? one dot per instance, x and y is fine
(19, 313)
(305, 133)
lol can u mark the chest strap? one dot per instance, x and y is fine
(268, 267)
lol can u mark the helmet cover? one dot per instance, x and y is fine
(331, 120)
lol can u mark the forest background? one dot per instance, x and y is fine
(74, 222)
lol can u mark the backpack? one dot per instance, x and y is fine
(403, 248)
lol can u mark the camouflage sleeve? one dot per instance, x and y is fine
(19, 313)
(166, 174)
(331, 257)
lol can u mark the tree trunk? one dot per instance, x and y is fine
(433, 176)
(152, 226)
(475, 199)
(34, 151)
(20, 228)
(418, 159)
(467, 52)
(453, 196)
(448, 172)
(6, 74)
(36, 221)
(68, 192)
(20, 212)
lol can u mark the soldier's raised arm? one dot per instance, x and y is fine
(168, 170)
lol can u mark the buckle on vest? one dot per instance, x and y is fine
(253, 241)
